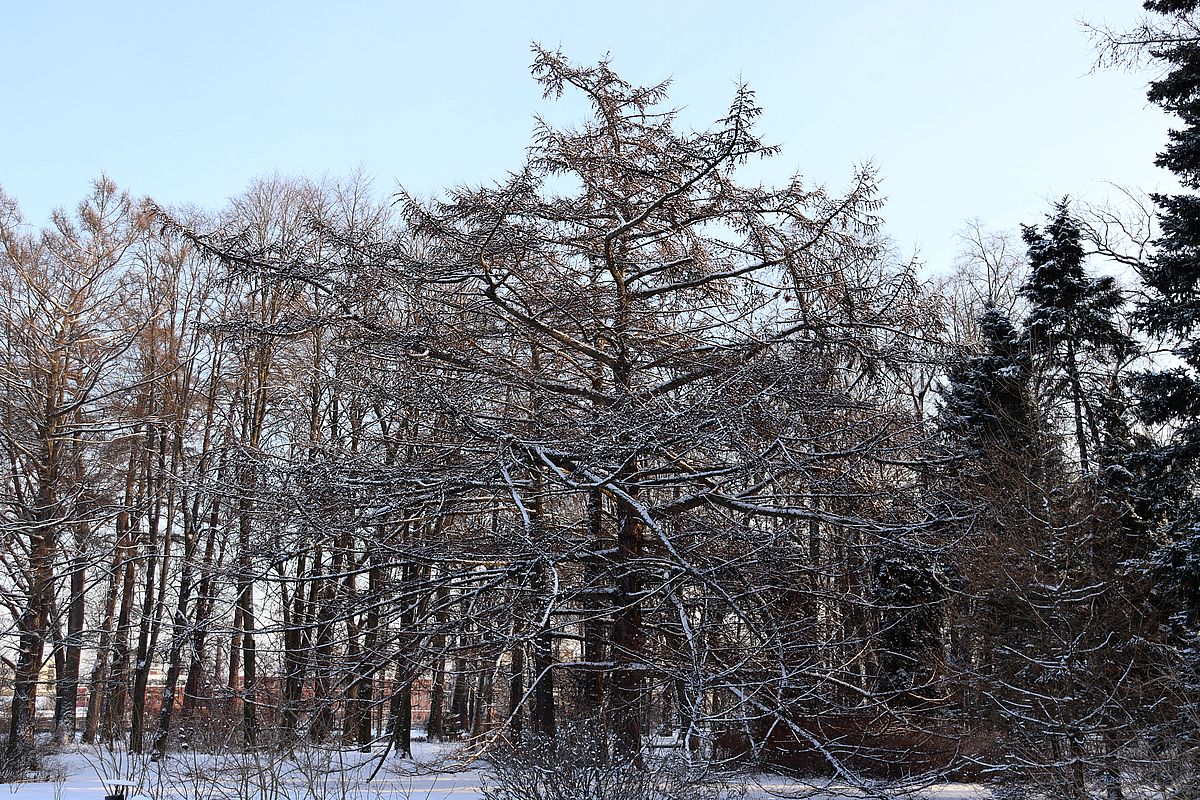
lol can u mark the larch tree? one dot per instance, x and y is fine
(69, 319)
(628, 430)
(681, 373)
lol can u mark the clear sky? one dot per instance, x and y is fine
(969, 109)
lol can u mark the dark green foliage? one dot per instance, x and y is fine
(1170, 394)
(1056, 281)
(1067, 303)
(1172, 275)
(1075, 333)
(1171, 6)
(1054, 650)
(911, 596)
(986, 404)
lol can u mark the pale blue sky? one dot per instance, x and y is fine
(970, 109)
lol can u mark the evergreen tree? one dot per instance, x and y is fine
(910, 594)
(1170, 394)
(986, 404)
(1052, 663)
(1074, 331)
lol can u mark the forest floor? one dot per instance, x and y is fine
(436, 772)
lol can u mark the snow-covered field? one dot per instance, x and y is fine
(435, 773)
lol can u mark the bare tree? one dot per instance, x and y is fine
(68, 319)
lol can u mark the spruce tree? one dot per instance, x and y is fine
(1052, 657)
(1074, 330)
(1169, 395)
(986, 405)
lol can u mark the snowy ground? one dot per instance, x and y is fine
(436, 773)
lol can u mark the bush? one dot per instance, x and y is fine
(581, 764)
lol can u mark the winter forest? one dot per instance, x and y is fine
(620, 459)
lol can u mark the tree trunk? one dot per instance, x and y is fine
(97, 685)
(149, 617)
(593, 629)
(516, 690)
(179, 632)
(196, 688)
(68, 680)
(246, 614)
(626, 687)
(20, 752)
(543, 688)
(113, 708)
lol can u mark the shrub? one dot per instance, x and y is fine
(581, 764)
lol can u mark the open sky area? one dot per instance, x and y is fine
(985, 110)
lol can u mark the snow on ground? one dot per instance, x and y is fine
(435, 773)
(85, 773)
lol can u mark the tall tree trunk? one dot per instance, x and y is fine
(626, 687)
(516, 689)
(20, 751)
(97, 685)
(180, 635)
(324, 679)
(68, 682)
(246, 614)
(354, 710)
(400, 709)
(153, 479)
(1077, 399)
(544, 708)
(366, 681)
(195, 687)
(116, 694)
(400, 713)
(435, 726)
(296, 639)
(196, 690)
(594, 631)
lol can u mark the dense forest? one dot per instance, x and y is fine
(621, 440)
